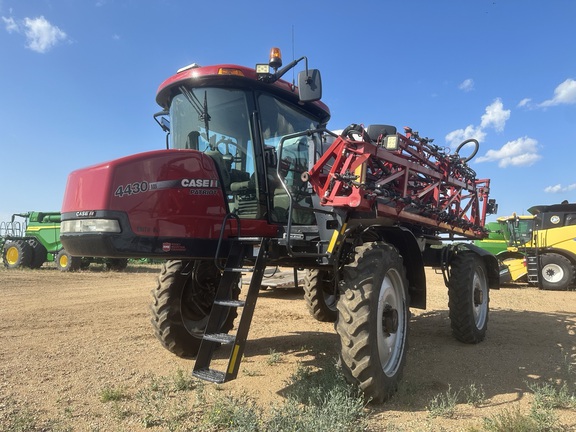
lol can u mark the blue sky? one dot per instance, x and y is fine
(78, 80)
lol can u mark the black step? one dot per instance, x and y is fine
(230, 303)
(239, 270)
(210, 375)
(222, 338)
(250, 240)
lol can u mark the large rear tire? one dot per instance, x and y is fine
(17, 253)
(556, 272)
(468, 298)
(182, 302)
(320, 294)
(373, 320)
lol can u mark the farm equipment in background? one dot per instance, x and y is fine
(541, 247)
(495, 242)
(250, 178)
(517, 231)
(33, 238)
(548, 240)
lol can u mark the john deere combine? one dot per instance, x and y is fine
(33, 238)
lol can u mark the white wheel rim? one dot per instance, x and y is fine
(480, 298)
(552, 273)
(391, 307)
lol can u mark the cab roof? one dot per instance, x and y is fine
(230, 75)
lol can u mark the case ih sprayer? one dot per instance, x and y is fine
(252, 178)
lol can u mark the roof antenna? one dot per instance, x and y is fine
(293, 72)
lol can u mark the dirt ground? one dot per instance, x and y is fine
(68, 336)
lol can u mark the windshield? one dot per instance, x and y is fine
(216, 121)
(521, 232)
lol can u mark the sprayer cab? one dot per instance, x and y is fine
(224, 124)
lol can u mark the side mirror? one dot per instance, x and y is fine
(309, 85)
(492, 207)
(164, 122)
(270, 156)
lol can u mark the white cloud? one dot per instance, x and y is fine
(520, 152)
(41, 36)
(11, 25)
(454, 138)
(467, 85)
(559, 188)
(495, 116)
(553, 189)
(526, 102)
(565, 93)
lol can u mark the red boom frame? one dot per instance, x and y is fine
(417, 183)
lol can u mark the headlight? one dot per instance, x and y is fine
(89, 226)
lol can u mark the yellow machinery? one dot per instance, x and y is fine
(517, 232)
(542, 246)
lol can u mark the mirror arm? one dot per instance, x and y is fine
(289, 66)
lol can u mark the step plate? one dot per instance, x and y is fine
(222, 338)
(211, 375)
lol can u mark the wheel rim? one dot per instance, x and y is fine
(330, 300)
(552, 273)
(329, 296)
(480, 298)
(392, 322)
(12, 255)
(63, 261)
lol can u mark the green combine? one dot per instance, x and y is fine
(496, 241)
(33, 238)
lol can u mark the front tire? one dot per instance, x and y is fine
(182, 302)
(66, 262)
(556, 273)
(468, 298)
(320, 295)
(373, 320)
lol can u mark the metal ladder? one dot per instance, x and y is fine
(212, 339)
(532, 266)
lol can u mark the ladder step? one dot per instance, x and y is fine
(254, 240)
(210, 375)
(222, 338)
(239, 270)
(230, 303)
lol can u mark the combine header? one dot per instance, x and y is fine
(251, 177)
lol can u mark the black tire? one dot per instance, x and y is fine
(17, 253)
(556, 272)
(468, 298)
(116, 264)
(373, 320)
(182, 302)
(320, 294)
(66, 262)
(39, 253)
